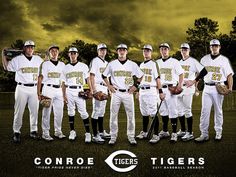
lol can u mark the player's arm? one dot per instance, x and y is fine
(109, 86)
(63, 86)
(230, 81)
(181, 80)
(159, 87)
(136, 84)
(92, 82)
(4, 60)
(39, 86)
(89, 84)
(201, 75)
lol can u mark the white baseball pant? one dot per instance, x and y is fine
(24, 95)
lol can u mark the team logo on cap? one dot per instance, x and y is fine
(73, 49)
(122, 46)
(101, 46)
(185, 45)
(147, 46)
(29, 43)
(164, 45)
(214, 42)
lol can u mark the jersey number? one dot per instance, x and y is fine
(129, 81)
(168, 77)
(216, 77)
(148, 78)
(35, 77)
(79, 80)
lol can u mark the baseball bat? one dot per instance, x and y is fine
(153, 122)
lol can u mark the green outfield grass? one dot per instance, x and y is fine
(17, 160)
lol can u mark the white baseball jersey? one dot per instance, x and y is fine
(170, 70)
(52, 74)
(122, 74)
(191, 66)
(75, 75)
(149, 69)
(27, 71)
(218, 69)
(97, 67)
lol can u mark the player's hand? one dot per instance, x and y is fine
(111, 89)
(65, 99)
(189, 83)
(132, 89)
(39, 97)
(162, 96)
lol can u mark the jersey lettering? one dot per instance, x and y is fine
(54, 75)
(29, 70)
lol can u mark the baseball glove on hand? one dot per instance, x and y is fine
(175, 90)
(45, 101)
(100, 96)
(85, 94)
(222, 89)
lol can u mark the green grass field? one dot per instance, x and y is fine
(17, 159)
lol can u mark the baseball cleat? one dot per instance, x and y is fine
(105, 135)
(72, 135)
(218, 136)
(59, 135)
(16, 138)
(47, 137)
(181, 133)
(142, 135)
(155, 139)
(174, 137)
(112, 141)
(163, 134)
(34, 135)
(98, 139)
(202, 139)
(132, 140)
(187, 137)
(87, 138)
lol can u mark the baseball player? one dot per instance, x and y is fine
(171, 74)
(191, 67)
(97, 66)
(122, 87)
(52, 77)
(76, 74)
(148, 94)
(26, 66)
(220, 71)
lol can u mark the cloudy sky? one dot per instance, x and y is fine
(134, 22)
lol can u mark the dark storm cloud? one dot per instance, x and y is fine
(12, 21)
(50, 27)
(134, 22)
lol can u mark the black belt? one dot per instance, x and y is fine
(169, 85)
(55, 86)
(122, 90)
(27, 85)
(145, 88)
(210, 84)
(74, 87)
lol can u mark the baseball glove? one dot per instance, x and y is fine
(86, 94)
(100, 96)
(45, 101)
(11, 53)
(222, 89)
(174, 90)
